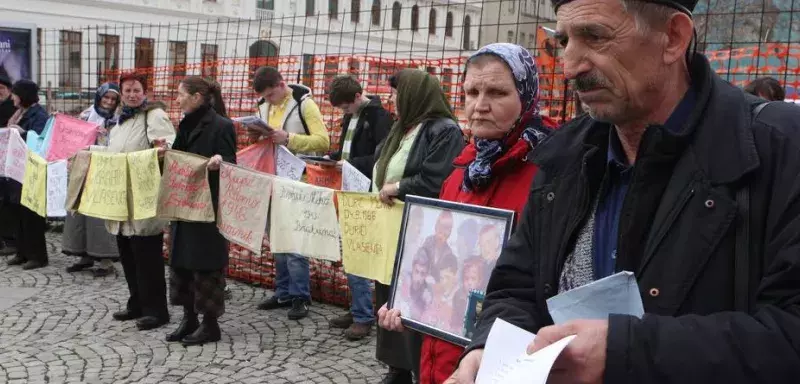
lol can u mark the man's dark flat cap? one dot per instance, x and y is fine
(685, 6)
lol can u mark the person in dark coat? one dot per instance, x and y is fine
(7, 228)
(30, 228)
(364, 125)
(7, 107)
(676, 176)
(415, 159)
(199, 252)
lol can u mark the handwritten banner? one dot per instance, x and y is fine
(16, 157)
(353, 180)
(145, 183)
(288, 165)
(69, 135)
(324, 176)
(78, 168)
(34, 194)
(244, 197)
(5, 135)
(369, 235)
(56, 188)
(184, 193)
(105, 195)
(303, 220)
(259, 156)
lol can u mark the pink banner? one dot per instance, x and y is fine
(16, 157)
(70, 135)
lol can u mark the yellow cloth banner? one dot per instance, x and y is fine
(145, 182)
(370, 230)
(105, 194)
(34, 186)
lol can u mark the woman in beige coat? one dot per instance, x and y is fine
(142, 125)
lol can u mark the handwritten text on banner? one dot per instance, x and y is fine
(5, 134)
(78, 169)
(369, 235)
(105, 195)
(353, 180)
(303, 220)
(288, 165)
(56, 188)
(69, 135)
(34, 194)
(145, 181)
(16, 157)
(244, 197)
(184, 193)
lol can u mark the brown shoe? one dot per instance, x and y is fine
(357, 331)
(342, 322)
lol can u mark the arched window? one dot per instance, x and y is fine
(376, 12)
(311, 9)
(467, 25)
(414, 18)
(448, 25)
(396, 9)
(355, 11)
(432, 22)
(333, 9)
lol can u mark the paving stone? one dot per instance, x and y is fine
(56, 327)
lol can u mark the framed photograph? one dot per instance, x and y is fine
(445, 255)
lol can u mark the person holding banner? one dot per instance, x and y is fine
(86, 237)
(199, 253)
(365, 125)
(7, 231)
(415, 159)
(296, 122)
(142, 125)
(502, 104)
(30, 227)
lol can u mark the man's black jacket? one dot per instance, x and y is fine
(373, 125)
(677, 234)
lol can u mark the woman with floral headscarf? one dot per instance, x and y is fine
(502, 91)
(87, 237)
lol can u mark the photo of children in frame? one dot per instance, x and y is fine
(446, 257)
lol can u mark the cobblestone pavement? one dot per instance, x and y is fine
(57, 328)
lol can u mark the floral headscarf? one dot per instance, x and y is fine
(523, 68)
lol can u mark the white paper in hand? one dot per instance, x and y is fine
(617, 294)
(57, 188)
(255, 123)
(353, 180)
(288, 165)
(506, 361)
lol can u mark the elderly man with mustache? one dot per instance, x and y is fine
(674, 175)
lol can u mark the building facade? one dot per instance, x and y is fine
(515, 21)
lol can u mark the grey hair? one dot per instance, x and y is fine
(649, 17)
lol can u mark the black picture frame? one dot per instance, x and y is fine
(442, 311)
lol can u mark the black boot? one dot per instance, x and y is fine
(208, 332)
(188, 325)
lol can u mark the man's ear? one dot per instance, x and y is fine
(679, 34)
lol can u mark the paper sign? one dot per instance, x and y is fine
(617, 293)
(323, 176)
(69, 135)
(369, 235)
(505, 359)
(353, 180)
(288, 165)
(303, 220)
(56, 188)
(16, 157)
(105, 195)
(244, 197)
(259, 156)
(5, 134)
(34, 194)
(184, 194)
(78, 169)
(145, 182)
(34, 142)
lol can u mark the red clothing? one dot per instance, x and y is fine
(512, 177)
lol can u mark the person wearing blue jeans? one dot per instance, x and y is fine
(292, 285)
(357, 324)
